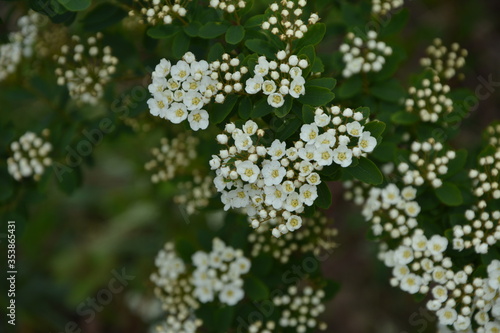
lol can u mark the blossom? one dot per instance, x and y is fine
(273, 173)
(198, 119)
(342, 156)
(248, 171)
(367, 142)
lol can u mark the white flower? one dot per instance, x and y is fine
(293, 202)
(275, 196)
(309, 133)
(367, 142)
(411, 283)
(322, 120)
(177, 113)
(440, 293)
(273, 173)
(313, 179)
(419, 242)
(200, 260)
(326, 139)
(180, 71)
(277, 150)
(240, 266)
(276, 100)
(355, 129)
(262, 68)
(162, 69)
(412, 209)
(198, 119)
(200, 69)
(342, 156)
(204, 293)
(437, 245)
(324, 156)
(409, 193)
(268, 87)
(294, 222)
(231, 294)
(297, 87)
(193, 100)
(254, 85)
(248, 171)
(242, 141)
(462, 323)
(308, 193)
(250, 127)
(158, 106)
(447, 316)
(403, 255)
(390, 194)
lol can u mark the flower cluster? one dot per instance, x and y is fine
(229, 6)
(278, 182)
(181, 91)
(182, 288)
(29, 156)
(286, 20)
(175, 291)
(277, 79)
(85, 67)
(218, 273)
(392, 211)
(153, 12)
(230, 72)
(428, 162)
(314, 237)
(429, 100)
(195, 194)
(20, 43)
(300, 309)
(492, 134)
(363, 55)
(444, 61)
(173, 155)
(382, 7)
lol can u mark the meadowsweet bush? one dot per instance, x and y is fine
(242, 123)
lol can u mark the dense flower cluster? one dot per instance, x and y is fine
(30, 156)
(382, 7)
(153, 12)
(181, 91)
(286, 20)
(182, 287)
(363, 55)
(175, 291)
(399, 205)
(429, 100)
(277, 79)
(20, 43)
(195, 194)
(444, 61)
(229, 72)
(218, 274)
(428, 163)
(229, 6)
(278, 182)
(85, 67)
(173, 155)
(314, 237)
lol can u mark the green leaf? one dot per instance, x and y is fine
(390, 91)
(457, 164)
(285, 108)
(313, 36)
(261, 47)
(404, 118)
(350, 87)
(235, 34)
(262, 264)
(216, 52)
(185, 249)
(366, 171)
(245, 108)
(395, 24)
(221, 111)
(324, 199)
(103, 16)
(316, 96)
(385, 152)
(193, 29)
(375, 127)
(325, 82)
(224, 318)
(180, 44)
(75, 5)
(261, 109)
(255, 21)
(162, 31)
(212, 30)
(308, 114)
(69, 180)
(255, 289)
(288, 128)
(449, 194)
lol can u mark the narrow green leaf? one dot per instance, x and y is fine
(308, 114)
(317, 96)
(324, 199)
(375, 127)
(366, 171)
(235, 34)
(162, 31)
(245, 107)
(325, 82)
(221, 111)
(180, 44)
(449, 194)
(216, 52)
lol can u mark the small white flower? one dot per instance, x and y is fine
(250, 127)
(411, 283)
(367, 142)
(324, 156)
(248, 171)
(276, 100)
(242, 141)
(268, 87)
(326, 139)
(180, 71)
(309, 133)
(177, 113)
(447, 316)
(308, 193)
(342, 156)
(275, 196)
(198, 119)
(293, 202)
(273, 173)
(354, 129)
(294, 222)
(412, 209)
(437, 245)
(297, 87)
(403, 255)
(277, 150)
(231, 294)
